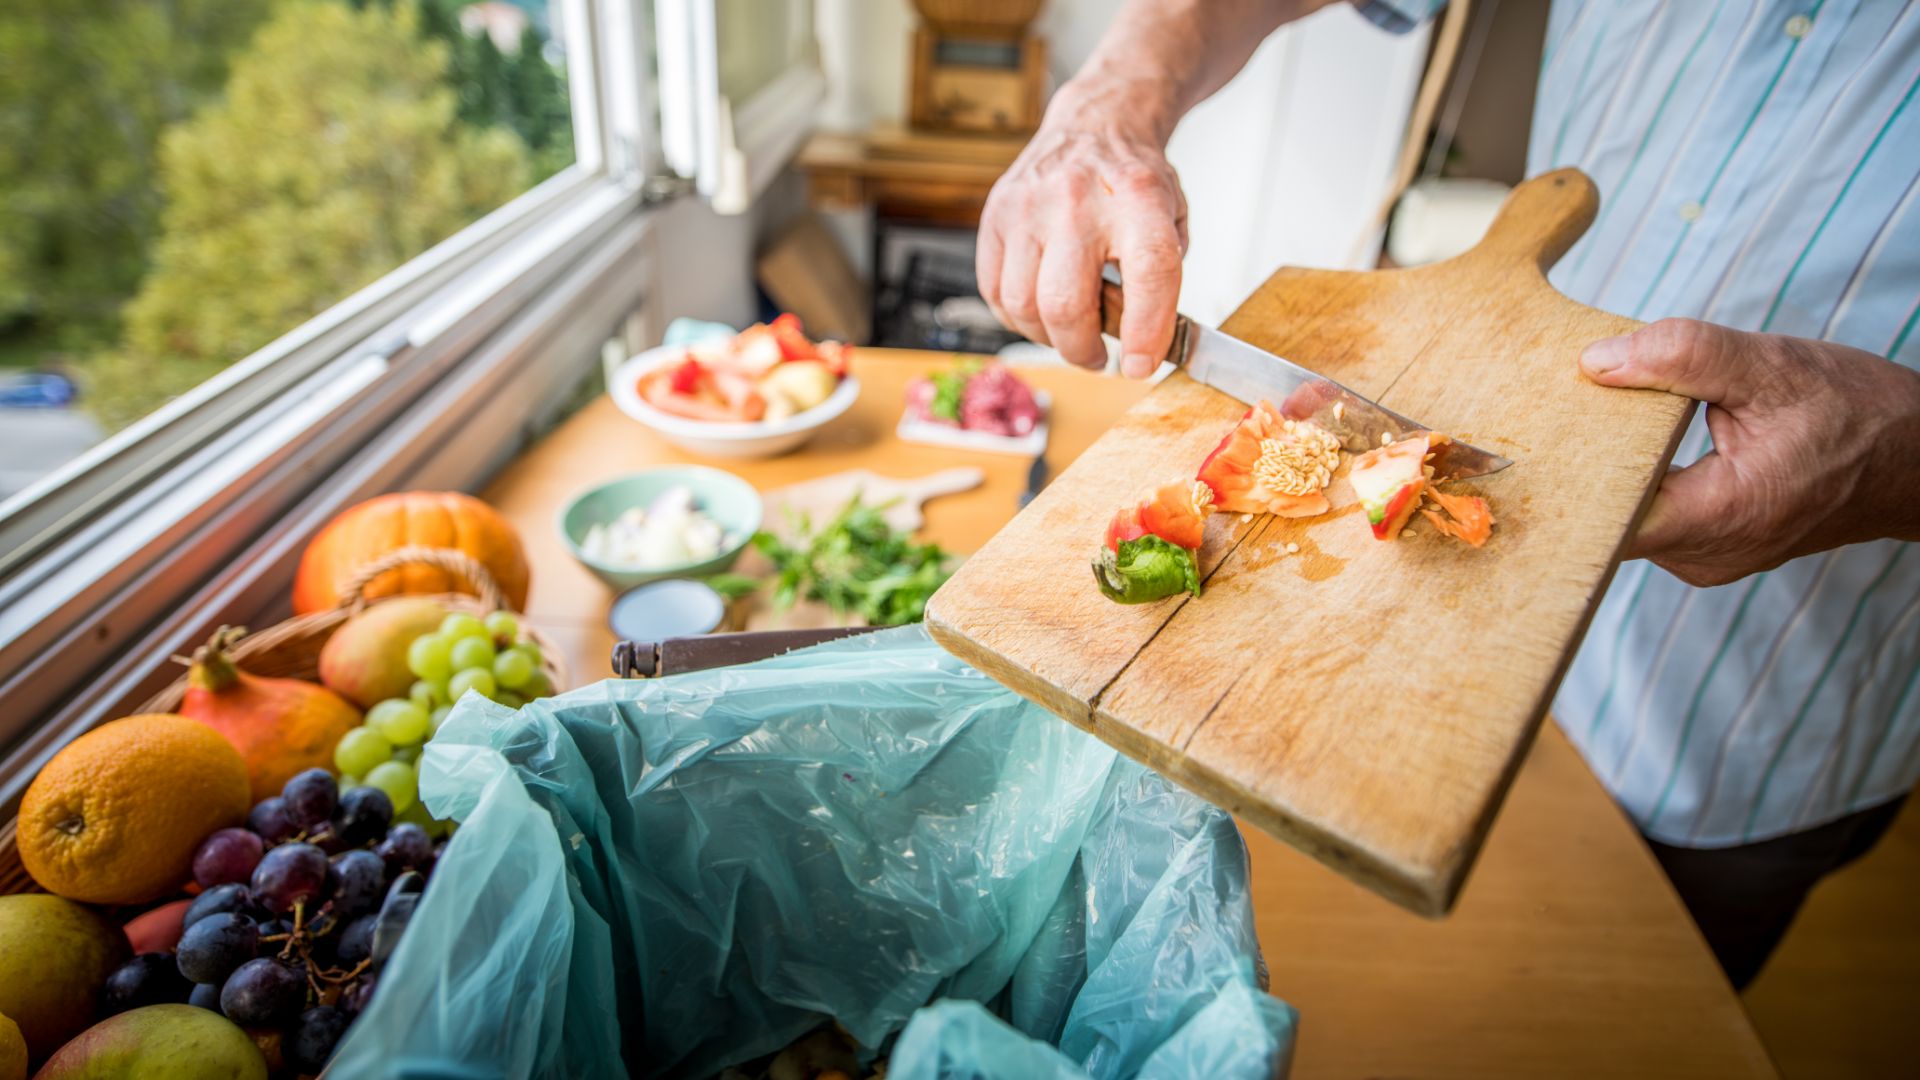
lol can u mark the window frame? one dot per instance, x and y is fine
(141, 546)
(732, 150)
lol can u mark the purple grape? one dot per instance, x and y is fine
(310, 797)
(358, 995)
(406, 847)
(361, 880)
(327, 839)
(205, 996)
(227, 857)
(290, 875)
(148, 979)
(364, 814)
(263, 993)
(230, 897)
(269, 818)
(356, 941)
(212, 948)
(314, 1036)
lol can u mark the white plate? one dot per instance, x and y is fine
(764, 438)
(1032, 444)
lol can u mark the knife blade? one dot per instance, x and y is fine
(1250, 374)
(1037, 475)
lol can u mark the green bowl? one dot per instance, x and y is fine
(724, 497)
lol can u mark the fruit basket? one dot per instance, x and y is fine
(291, 649)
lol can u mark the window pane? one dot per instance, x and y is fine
(183, 182)
(759, 41)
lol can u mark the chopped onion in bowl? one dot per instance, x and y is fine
(670, 531)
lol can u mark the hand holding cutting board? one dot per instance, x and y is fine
(1814, 445)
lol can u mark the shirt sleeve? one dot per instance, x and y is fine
(1398, 16)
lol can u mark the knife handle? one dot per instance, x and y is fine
(1113, 302)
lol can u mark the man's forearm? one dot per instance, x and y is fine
(1160, 58)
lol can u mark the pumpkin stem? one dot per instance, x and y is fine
(212, 667)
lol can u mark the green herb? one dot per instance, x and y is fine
(856, 564)
(948, 386)
(734, 586)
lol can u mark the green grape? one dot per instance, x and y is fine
(472, 679)
(415, 814)
(361, 750)
(530, 649)
(472, 652)
(438, 717)
(402, 722)
(427, 694)
(348, 782)
(407, 755)
(513, 668)
(437, 828)
(397, 779)
(536, 686)
(503, 627)
(461, 625)
(510, 699)
(429, 657)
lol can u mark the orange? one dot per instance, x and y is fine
(115, 817)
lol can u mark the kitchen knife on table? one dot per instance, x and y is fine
(1243, 371)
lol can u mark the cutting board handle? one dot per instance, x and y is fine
(1540, 220)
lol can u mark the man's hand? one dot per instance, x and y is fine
(1815, 445)
(1094, 186)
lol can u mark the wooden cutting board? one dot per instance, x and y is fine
(1367, 702)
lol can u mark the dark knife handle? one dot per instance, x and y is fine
(674, 656)
(1112, 300)
(1113, 303)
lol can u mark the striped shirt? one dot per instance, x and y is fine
(1759, 167)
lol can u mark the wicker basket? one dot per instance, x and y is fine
(291, 649)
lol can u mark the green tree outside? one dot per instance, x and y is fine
(86, 88)
(335, 155)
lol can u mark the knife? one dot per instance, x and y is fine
(1243, 371)
(678, 655)
(1036, 479)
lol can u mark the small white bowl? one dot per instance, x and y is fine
(762, 438)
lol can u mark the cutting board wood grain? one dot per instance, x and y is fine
(1367, 702)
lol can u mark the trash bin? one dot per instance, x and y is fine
(668, 877)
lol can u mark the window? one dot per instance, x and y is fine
(184, 183)
(738, 84)
(379, 216)
(400, 236)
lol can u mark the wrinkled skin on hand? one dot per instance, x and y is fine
(1815, 445)
(1088, 189)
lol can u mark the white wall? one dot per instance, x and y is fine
(1286, 165)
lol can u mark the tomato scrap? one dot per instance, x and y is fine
(1464, 517)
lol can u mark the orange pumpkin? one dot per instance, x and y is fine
(434, 519)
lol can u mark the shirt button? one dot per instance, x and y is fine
(1798, 26)
(1691, 210)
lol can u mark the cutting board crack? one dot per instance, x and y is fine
(1093, 703)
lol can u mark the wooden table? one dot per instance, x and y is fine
(1568, 954)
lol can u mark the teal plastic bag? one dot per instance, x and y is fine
(666, 877)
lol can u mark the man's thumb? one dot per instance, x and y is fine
(1682, 356)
